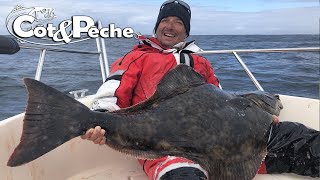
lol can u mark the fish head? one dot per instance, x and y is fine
(266, 101)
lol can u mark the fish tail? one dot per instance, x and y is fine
(51, 119)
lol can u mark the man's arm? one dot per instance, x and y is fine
(115, 93)
(212, 79)
(203, 66)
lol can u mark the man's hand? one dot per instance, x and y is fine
(96, 135)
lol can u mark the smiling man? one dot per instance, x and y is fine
(170, 31)
(173, 24)
(135, 76)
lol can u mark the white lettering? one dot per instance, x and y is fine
(40, 31)
(62, 31)
(93, 32)
(50, 29)
(103, 32)
(128, 32)
(17, 26)
(76, 26)
(68, 29)
(113, 30)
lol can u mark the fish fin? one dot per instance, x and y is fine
(181, 78)
(244, 170)
(51, 119)
(176, 81)
(266, 101)
(138, 154)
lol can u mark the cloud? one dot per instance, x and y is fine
(293, 1)
(280, 21)
(205, 20)
(112, 12)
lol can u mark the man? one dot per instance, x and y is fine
(134, 78)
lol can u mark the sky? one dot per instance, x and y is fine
(219, 17)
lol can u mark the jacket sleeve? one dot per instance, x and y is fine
(211, 78)
(104, 98)
(117, 91)
(203, 66)
(128, 83)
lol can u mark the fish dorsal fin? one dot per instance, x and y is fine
(176, 81)
(179, 78)
(238, 170)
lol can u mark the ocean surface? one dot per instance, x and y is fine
(291, 73)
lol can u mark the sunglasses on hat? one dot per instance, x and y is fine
(178, 2)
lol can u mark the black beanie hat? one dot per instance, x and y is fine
(175, 9)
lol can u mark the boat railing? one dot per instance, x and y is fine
(101, 51)
(104, 64)
(244, 66)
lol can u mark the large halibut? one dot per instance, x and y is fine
(226, 134)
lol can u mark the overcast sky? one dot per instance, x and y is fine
(219, 17)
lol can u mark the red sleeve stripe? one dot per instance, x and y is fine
(173, 162)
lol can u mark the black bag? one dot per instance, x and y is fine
(293, 148)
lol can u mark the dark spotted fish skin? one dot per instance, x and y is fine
(227, 134)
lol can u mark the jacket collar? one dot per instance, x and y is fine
(190, 47)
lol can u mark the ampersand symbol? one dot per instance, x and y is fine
(62, 31)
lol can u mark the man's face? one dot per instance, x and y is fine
(171, 31)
